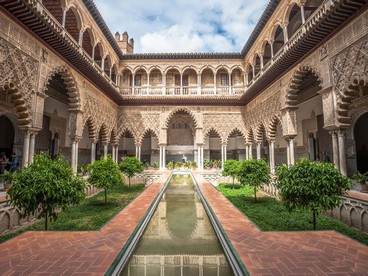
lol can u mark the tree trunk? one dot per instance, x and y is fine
(129, 182)
(233, 183)
(46, 217)
(314, 220)
(105, 196)
(255, 194)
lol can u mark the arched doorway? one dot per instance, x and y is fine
(150, 152)
(361, 143)
(236, 146)
(180, 137)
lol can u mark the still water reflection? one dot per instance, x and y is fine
(179, 240)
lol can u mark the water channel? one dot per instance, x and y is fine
(179, 239)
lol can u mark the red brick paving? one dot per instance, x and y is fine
(263, 253)
(358, 195)
(286, 253)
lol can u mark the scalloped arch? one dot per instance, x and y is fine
(70, 83)
(295, 82)
(140, 138)
(92, 130)
(176, 110)
(272, 127)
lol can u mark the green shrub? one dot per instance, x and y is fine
(130, 166)
(47, 184)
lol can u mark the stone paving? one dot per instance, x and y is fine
(286, 253)
(263, 253)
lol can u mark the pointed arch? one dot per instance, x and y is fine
(92, 130)
(180, 109)
(296, 80)
(74, 99)
(146, 131)
(260, 132)
(272, 127)
(103, 134)
(249, 136)
(213, 130)
(22, 107)
(114, 137)
(234, 130)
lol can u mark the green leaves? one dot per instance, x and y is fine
(104, 174)
(130, 166)
(253, 172)
(47, 185)
(311, 186)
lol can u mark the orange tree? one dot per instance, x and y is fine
(311, 186)
(45, 186)
(130, 166)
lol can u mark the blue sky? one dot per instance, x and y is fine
(161, 26)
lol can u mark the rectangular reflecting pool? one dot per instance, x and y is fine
(179, 239)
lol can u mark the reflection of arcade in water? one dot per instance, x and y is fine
(179, 239)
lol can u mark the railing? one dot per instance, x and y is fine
(182, 91)
(54, 23)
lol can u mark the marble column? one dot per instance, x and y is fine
(93, 151)
(335, 149)
(342, 154)
(31, 147)
(105, 148)
(25, 154)
(250, 151)
(290, 151)
(271, 145)
(246, 151)
(113, 153)
(302, 13)
(258, 150)
(223, 155)
(74, 154)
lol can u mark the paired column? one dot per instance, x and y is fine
(105, 148)
(335, 149)
(32, 143)
(74, 157)
(28, 147)
(271, 145)
(138, 152)
(162, 157)
(223, 155)
(200, 157)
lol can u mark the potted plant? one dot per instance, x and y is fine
(178, 165)
(7, 178)
(155, 165)
(186, 165)
(208, 164)
(170, 165)
(362, 178)
(194, 165)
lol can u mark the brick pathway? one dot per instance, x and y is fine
(77, 253)
(286, 253)
(263, 253)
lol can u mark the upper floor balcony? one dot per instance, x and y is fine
(188, 82)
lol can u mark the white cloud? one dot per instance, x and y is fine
(183, 26)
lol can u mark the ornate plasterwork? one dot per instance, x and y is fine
(139, 124)
(223, 124)
(18, 75)
(349, 70)
(100, 113)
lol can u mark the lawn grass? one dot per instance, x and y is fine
(270, 214)
(90, 215)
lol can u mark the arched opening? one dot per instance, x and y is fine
(207, 82)
(180, 137)
(140, 82)
(361, 143)
(52, 139)
(236, 146)
(249, 73)
(190, 82)
(98, 54)
(257, 65)
(280, 146)
(103, 139)
(294, 20)
(113, 74)
(237, 81)
(173, 82)
(267, 53)
(107, 65)
(155, 82)
(212, 148)
(278, 40)
(149, 151)
(222, 82)
(6, 141)
(126, 82)
(312, 141)
(262, 140)
(310, 6)
(72, 23)
(126, 144)
(87, 42)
